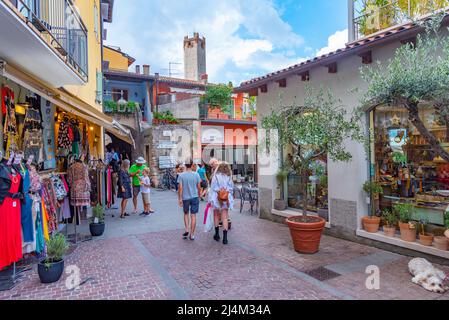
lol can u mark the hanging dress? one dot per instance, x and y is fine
(10, 226)
(27, 213)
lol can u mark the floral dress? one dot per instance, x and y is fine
(78, 179)
(221, 181)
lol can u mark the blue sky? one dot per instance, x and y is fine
(245, 38)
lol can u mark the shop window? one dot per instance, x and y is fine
(407, 168)
(317, 189)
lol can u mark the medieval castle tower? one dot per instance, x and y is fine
(194, 57)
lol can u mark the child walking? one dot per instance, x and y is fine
(145, 189)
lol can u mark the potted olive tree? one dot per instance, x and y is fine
(280, 203)
(51, 268)
(371, 223)
(97, 224)
(313, 131)
(390, 223)
(406, 225)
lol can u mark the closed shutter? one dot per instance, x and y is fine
(99, 98)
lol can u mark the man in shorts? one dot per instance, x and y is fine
(189, 199)
(136, 173)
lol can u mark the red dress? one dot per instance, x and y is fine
(10, 227)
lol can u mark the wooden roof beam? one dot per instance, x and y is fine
(305, 76)
(282, 83)
(253, 92)
(367, 57)
(264, 88)
(411, 41)
(332, 68)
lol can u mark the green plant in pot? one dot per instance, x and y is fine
(390, 222)
(51, 268)
(371, 223)
(407, 226)
(426, 239)
(97, 225)
(314, 131)
(280, 203)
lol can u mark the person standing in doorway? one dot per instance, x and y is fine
(221, 198)
(136, 172)
(188, 193)
(124, 187)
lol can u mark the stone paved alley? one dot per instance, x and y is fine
(146, 258)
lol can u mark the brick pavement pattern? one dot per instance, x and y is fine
(146, 259)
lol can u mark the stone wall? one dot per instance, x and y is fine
(184, 109)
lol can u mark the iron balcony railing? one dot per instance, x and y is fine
(373, 16)
(60, 23)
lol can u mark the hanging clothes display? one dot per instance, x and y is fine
(33, 143)
(26, 210)
(78, 179)
(64, 143)
(10, 129)
(10, 218)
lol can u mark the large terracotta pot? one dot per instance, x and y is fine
(390, 231)
(371, 224)
(442, 243)
(306, 236)
(407, 234)
(426, 239)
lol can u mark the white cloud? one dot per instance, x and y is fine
(336, 41)
(152, 31)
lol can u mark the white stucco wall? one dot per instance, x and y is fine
(345, 179)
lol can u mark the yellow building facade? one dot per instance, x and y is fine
(117, 60)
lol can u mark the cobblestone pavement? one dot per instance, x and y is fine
(146, 258)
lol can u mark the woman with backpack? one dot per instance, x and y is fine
(221, 198)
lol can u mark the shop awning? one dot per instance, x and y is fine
(67, 102)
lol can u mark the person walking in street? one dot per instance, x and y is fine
(145, 189)
(204, 181)
(124, 187)
(221, 198)
(188, 193)
(136, 172)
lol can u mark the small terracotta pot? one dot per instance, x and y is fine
(407, 234)
(441, 243)
(371, 224)
(426, 239)
(390, 231)
(306, 236)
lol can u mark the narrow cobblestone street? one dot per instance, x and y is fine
(146, 258)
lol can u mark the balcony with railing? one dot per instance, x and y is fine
(50, 31)
(208, 113)
(373, 16)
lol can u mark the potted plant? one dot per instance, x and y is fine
(371, 223)
(280, 203)
(425, 238)
(51, 268)
(391, 221)
(97, 224)
(313, 131)
(406, 225)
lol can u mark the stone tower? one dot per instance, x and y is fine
(194, 57)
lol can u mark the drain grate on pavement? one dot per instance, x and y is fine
(322, 274)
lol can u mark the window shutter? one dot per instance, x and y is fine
(99, 87)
